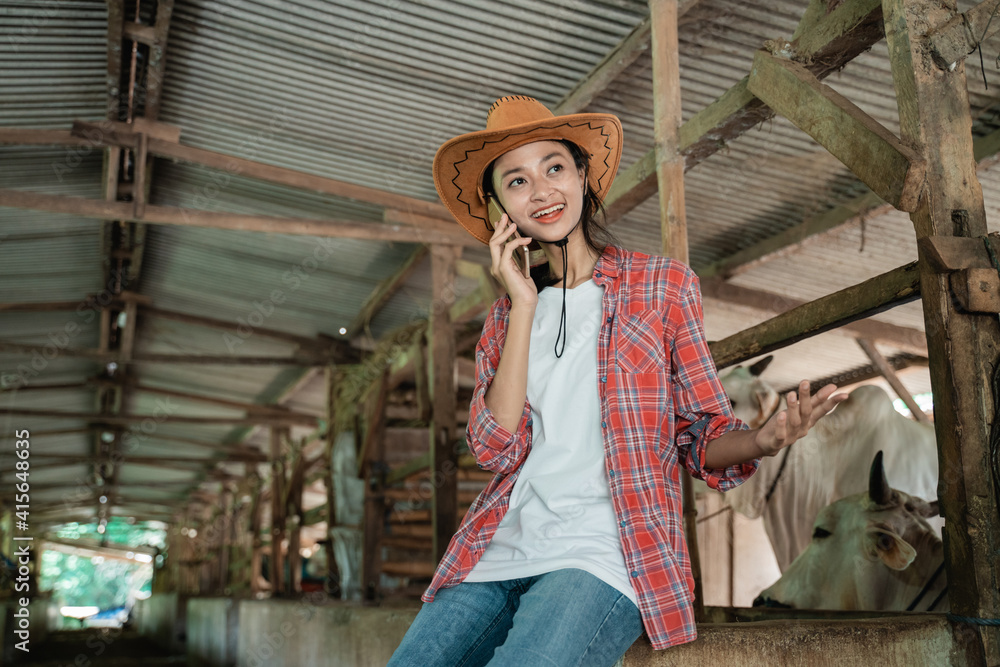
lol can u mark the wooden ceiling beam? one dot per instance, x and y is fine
(300, 359)
(227, 325)
(116, 135)
(445, 232)
(133, 385)
(292, 419)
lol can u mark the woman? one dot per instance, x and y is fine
(591, 394)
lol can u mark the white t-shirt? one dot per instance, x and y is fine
(561, 514)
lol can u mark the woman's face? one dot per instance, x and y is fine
(541, 189)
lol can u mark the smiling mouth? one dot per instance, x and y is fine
(547, 213)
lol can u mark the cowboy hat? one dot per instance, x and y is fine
(513, 121)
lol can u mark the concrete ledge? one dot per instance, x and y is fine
(161, 617)
(287, 633)
(903, 641)
(317, 630)
(212, 632)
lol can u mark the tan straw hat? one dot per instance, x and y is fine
(512, 122)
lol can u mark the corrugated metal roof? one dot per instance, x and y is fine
(365, 93)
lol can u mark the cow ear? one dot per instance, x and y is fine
(768, 403)
(891, 549)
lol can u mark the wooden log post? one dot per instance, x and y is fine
(332, 584)
(256, 539)
(441, 380)
(963, 347)
(293, 502)
(673, 222)
(372, 470)
(223, 528)
(277, 568)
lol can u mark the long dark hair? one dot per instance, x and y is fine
(593, 217)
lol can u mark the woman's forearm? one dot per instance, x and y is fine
(506, 395)
(732, 448)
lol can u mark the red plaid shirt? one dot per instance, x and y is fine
(661, 403)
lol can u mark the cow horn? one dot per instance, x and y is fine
(761, 365)
(878, 486)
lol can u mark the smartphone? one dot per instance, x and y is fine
(495, 212)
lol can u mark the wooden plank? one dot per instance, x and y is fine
(889, 373)
(954, 253)
(133, 385)
(371, 469)
(859, 301)
(907, 339)
(667, 119)
(894, 171)
(116, 21)
(171, 215)
(963, 33)
(274, 174)
(328, 511)
(277, 564)
(300, 359)
(441, 376)
(977, 290)
(157, 59)
(964, 348)
(227, 325)
(127, 419)
(833, 41)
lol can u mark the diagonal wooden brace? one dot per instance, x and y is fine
(893, 170)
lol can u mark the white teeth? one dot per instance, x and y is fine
(551, 209)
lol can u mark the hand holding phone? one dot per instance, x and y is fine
(495, 213)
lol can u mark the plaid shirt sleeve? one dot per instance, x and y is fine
(703, 410)
(496, 448)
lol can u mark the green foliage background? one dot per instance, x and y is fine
(79, 581)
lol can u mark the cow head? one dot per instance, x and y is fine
(754, 401)
(870, 551)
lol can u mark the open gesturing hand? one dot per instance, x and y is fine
(802, 413)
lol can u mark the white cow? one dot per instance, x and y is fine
(830, 463)
(872, 551)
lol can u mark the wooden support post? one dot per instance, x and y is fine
(277, 568)
(963, 347)
(441, 376)
(256, 541)
(673, 222)
(294, 504)
(228, 506)
(373, 472)
(890, 376)
(332, 584)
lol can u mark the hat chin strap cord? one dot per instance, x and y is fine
(561, 244)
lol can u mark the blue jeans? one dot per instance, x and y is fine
(566, 617)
